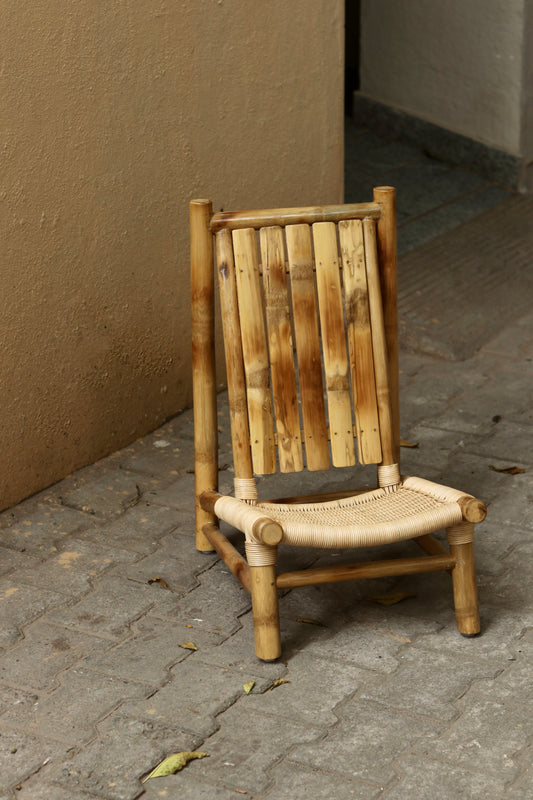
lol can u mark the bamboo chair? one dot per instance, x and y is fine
(309, 314)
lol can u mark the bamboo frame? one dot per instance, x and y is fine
(239, 294)
(203, 363)
(385, 196)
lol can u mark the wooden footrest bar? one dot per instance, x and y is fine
(373, 569)
(231, 557)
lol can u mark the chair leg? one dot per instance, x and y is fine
(461, 543)
(265, 612)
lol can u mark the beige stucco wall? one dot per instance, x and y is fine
(113, 116)
(454, 63)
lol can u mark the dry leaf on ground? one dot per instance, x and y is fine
(188, 646)
(391, 599)
(174, 763)
(507, 470)
(248, 686)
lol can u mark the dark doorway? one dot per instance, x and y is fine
(352, 30)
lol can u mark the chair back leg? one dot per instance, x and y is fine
(461, 541)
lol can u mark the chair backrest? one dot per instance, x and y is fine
(308, 340)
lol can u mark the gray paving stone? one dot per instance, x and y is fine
(370, 639)
(70, 712)
(20, 604)
(426, 779)
(367, 742)
(511, 440)
(74, 567)
(215, 605)
(236, 653)
(521, 788)
(110, 608)
(496, 643)
(100, 491)
(35, 788)
(245, 747)
(12, 559)
(160, 453)
(112, 765)
(195, 694)
(488, 736)
(295, 782)
(150, 652)
(299, 701)
(138, 529)
(22, 754)
(428, 683)
(45, 651)
(175, 560)
(36, 525)
(181, 785)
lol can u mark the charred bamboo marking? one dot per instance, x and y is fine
(255, 351)
(281, 350)
(359, 336)
(306, 331)
(334, 343)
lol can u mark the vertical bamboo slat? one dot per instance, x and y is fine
(300, 258)
(240, 433)
(333, 344)
(387, 239)
(360, 341)
(281, 350)
(255, 351)
(203, 363)
(379, 343)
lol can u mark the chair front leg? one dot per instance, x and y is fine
(461, 541)
(265, 606)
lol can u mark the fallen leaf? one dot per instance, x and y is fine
(173, 764)
(160, 581)
(277, 683)
(391, 599)
(240, 791)
(508, 470)
(405, 443)
(248, 686)
(310, 621)
(188, 646)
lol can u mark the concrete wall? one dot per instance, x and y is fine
(113, 116)
(455, 63)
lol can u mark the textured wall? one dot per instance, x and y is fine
(454, 63)
(113, 116)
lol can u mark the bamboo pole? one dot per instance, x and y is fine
(293, 216)
(265, 612)
(385, 196)
(231, 557)
(372, 569)
(203, 363)
(379, 344)
(465, 589)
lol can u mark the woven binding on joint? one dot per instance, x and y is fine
(261, 555)
(461, 534)
(245, 489)
(389, 477)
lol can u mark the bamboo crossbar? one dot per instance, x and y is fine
(232, 220)
(231, 557)
(375, 569)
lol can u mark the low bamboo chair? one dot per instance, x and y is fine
(309, 315)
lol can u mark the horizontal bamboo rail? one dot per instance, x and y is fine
(236, 564)
(430, 545)
(292, 216)
(374, 569)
